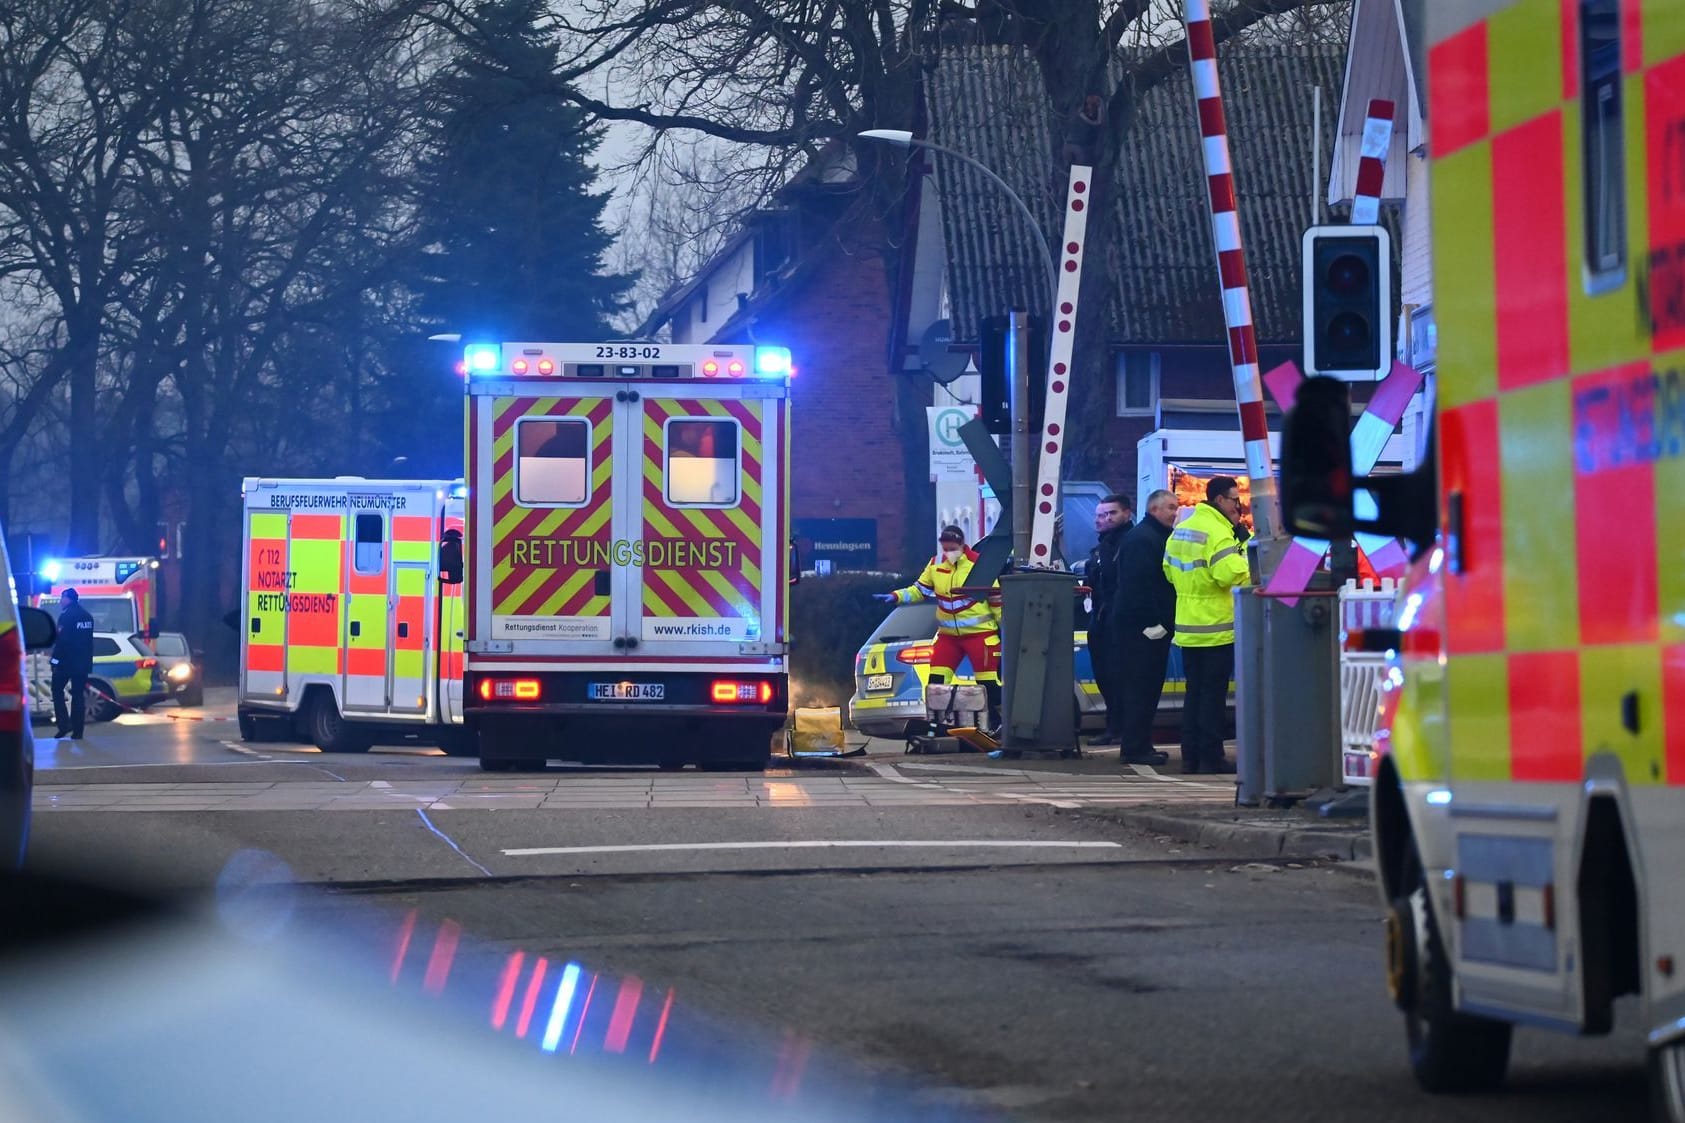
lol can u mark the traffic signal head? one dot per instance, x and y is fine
(1348, 302)
(995, 380)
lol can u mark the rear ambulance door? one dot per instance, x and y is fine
(705, 514)
(548, 541)
(370, 622)
(413, 592)
(451, 624)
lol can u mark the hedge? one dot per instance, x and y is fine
(830, 618)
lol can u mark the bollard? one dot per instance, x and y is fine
(1038, 662)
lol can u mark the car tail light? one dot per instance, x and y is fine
(12, 708)
(916, 654)
(509, 690)
(148, 664)
(731, 692)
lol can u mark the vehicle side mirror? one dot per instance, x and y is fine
(1316, 460)
(795, 563)
(39, 628)
(450, 561)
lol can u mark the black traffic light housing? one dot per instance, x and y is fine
(1348, 302)
(991, 365)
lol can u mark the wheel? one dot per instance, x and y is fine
(1449, 1051)
(458, 740)
(101, 701)
(331, 732)
(192, 696)
(1667, 1082)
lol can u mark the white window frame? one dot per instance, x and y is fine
(385, 543)
(590, 466)
(667, 460)
(1120, 376)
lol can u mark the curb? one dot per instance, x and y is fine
(1244, 840)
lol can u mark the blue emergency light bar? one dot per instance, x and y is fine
(772, 362)
(482, 358)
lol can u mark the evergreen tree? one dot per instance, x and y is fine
(511, 233)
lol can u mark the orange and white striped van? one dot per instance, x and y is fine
(351, 630)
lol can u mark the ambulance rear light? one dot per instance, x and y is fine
(735, 368)
(519, 366)
(732, 692)
(545, 366)
(482, 358)
(710, 368)
(509, 690)
(12, 708)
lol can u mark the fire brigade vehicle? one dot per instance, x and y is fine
(628, 523)
(351, 612)
(1528, 807)
(121, 594)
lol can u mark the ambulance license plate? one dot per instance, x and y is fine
(879, 682)
(626, 691)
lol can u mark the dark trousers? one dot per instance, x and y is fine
(1106, 654)
(1204, 707)
(1142, 663)
(78, 683)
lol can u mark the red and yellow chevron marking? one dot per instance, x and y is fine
(685, 591)
(564, 589)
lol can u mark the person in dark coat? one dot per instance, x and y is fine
(1113, 517)
(1144, 616)
(73, 662)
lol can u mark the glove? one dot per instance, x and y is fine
(1157, 631)
(887, 598)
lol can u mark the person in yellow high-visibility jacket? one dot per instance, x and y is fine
(1204, 561)
(967, 624)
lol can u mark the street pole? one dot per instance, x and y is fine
(1018, 370)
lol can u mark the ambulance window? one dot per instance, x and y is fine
(553, 462)
(702, 462)
(369, 555)
(1602, 147)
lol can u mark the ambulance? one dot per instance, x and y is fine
(1528, 807)
(628, 521)
(351, 626)
(121, 594)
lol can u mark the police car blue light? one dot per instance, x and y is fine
(51, 570)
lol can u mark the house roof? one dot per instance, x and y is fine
(988, 103)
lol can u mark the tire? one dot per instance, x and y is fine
(331, 732)
(458, 741)
(100, 704)
(192, 697)
(1667, 1082)
(1449, 1051)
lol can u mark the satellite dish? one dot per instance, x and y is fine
(937, 356)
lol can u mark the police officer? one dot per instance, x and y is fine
(1113, 517)
(1203, 560)
(73, 662)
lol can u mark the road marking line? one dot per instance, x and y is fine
(50, 768)
(810, 844)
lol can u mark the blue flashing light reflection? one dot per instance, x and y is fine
(51, 570)
(482, 358)
(559, 1009)
(460, 491)
(772, 362)
(1439, 797)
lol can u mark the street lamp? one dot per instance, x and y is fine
(901, 138)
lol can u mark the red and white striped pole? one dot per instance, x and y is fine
(1372, 162)
(1231, 266)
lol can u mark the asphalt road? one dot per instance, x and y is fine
(1000, 938)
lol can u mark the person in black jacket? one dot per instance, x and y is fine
(1113, 517)
(73, 662)
(1144, 615)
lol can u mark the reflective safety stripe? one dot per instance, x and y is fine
(1203, 629)
(1184, 565)
(1183, 534)
(1223, 553)
(957, 604)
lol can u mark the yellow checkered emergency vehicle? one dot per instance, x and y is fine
(1529, 797)
(351, 627)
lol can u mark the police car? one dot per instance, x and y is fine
(125, 676)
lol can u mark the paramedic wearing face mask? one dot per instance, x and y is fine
(967, 626)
